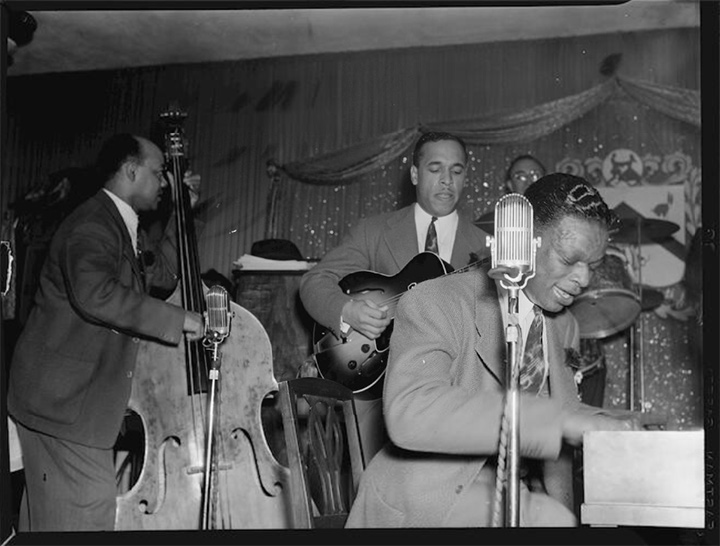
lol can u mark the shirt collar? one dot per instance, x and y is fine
(422, 218)
(128, 214)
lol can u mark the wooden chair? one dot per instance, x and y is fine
(323, 450)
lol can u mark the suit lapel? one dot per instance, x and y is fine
(488, 324)
(401, 236)
(127, 248)
(562, 383)
(461, 246)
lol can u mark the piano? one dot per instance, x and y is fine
(650, 478)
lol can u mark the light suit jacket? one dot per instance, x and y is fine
(443, 403)
(384, 244)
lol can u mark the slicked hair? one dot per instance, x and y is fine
(115, 151)
(434, 136)
(558, 195)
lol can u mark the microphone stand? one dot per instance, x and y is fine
(512, 246)
(512, 375)
(211, 343)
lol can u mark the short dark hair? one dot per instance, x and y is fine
(557, 195)
(520, 158)
(434, 136)
(114, 152)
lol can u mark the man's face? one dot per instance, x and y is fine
(149, 178)
(571, 249)
(439, 177)
(523, 173)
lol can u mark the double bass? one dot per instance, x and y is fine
(246, 487)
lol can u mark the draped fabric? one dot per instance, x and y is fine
(337, 128)
(526, 125)
(361, 164)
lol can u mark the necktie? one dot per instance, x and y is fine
(532, 371)
(140, 257)
(431, 244)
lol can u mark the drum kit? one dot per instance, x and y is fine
(612, 303)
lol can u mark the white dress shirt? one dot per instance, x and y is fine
(129, 216)
(445, 226)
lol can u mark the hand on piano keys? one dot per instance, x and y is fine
(591, 419)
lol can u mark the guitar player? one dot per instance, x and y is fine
(385, 244)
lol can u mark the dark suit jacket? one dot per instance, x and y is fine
(443, 403)
(384, 243)
(72, 368)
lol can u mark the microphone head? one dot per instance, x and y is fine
(513, 245)
(218, 311)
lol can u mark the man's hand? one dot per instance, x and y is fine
(503, 272)
(192, 181)
(575, 424)
(367, 317)
(193, 326)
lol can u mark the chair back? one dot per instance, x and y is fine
(323, 450)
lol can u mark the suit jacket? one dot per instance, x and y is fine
(72, 368)
(384, 244)
(443, 403)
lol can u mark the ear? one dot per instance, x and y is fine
(414, 175)
(129, 169)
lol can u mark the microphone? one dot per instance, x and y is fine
(513, 244)
(217, 316)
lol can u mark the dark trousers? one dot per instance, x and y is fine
(68, 487)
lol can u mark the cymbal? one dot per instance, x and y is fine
(486, 222)
(643, 231)
(636, 229)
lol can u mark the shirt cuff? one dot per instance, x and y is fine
(344, 327)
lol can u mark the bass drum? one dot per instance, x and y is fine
(609, 304)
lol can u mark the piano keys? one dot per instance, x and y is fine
(644, 478)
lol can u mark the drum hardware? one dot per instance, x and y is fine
(636, 230)
(639, 230)
(651, 299)
(609, 304)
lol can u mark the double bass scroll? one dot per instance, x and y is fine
(170, 396)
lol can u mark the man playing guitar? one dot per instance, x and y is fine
(387, 243)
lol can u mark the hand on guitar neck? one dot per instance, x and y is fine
(366, 317)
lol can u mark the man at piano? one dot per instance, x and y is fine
(445, 382)
(385, 244)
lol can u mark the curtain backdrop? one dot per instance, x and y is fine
(243, 114)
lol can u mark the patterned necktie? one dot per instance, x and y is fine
(532, 372)
(431, 244)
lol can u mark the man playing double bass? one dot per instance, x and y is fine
(71, 373)
(385, 244)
